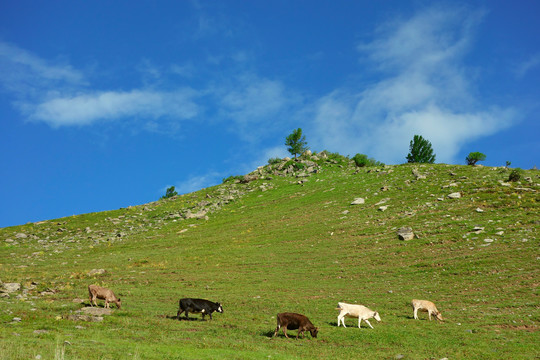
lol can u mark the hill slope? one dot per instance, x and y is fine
(287, 238)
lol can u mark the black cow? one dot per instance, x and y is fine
(196, 306)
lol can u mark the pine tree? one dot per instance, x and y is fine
(296, 142)
(420, 151)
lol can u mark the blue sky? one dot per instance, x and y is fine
(105, 104)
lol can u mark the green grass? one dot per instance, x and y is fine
(291, 248)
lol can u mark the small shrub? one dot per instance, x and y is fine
(337, 157)
(299, 166)
(273, 161)
(362, 160)
(515, 175)
(508, 163)
(170, 193)
(475, 157)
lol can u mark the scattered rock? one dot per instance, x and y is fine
(16, 319)
(455, 195)
(479, 210)
(399, 356)
(358, 201)
(478, 230)
(38, 332)
(95, 311)
(96, 272)
(89, 318)
(405, 233)
(345, 212)
(488, 240)
(248, 178)
(21, 236)
(383, 208)
(11, 287)
(417, 175)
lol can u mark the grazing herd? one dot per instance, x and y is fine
(285, 321)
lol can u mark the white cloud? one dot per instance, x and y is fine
(88, 108)
(524, 67)
(25, 74)
(424, 90)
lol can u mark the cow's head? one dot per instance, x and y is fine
(314, 332)
(377, 317)
(220, 308)
(438, 315)
(118, 303)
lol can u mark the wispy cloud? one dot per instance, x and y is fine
(424, 89)
(89, 108)
(255, 105)
(24, 73)
(523, 68)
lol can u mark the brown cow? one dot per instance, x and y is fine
(294, 321)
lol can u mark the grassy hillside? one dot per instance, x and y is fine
(289, 243)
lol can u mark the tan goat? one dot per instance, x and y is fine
(427, 306)
(98, 292)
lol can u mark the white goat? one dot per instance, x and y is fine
(98, 292)
(356, 311)
(428, 306)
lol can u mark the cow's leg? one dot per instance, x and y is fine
(277, 329)
(187, 317)
(210, 314)
(94, 299)
(178, 314)
(285, 331)
(106, 304)
(359, 321)
(368, 323)
(429, 315)
(416, 313)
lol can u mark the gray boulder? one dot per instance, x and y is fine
(405, 233)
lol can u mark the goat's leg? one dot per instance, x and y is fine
(368, 323)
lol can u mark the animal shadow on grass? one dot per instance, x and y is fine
(182, 318)
(268, 334)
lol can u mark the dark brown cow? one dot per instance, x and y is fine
(294, 321)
